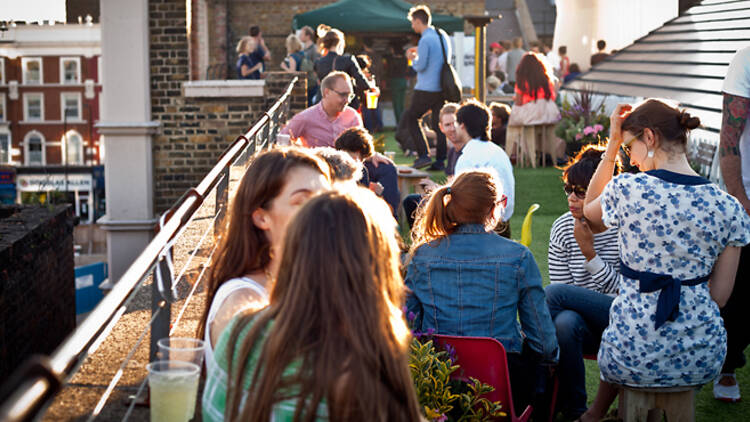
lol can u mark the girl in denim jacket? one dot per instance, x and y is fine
(466, 280)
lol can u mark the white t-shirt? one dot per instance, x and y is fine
(737, 83)
(484, 154)
(226, 289)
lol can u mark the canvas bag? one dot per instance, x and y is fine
(450, 84)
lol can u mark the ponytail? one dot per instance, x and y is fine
(434, 221)
(470, 199)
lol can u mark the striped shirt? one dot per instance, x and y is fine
(568, 265)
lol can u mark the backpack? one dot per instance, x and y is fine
(307, 66)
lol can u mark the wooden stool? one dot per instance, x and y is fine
(525, 141)
(647, 404)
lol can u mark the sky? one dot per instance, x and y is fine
(32, 10)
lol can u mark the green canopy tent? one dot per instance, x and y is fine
(371, 16)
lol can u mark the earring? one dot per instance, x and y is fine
(650, 153)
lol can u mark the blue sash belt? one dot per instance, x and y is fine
(668, 305)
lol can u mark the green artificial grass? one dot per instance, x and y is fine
(543, 186)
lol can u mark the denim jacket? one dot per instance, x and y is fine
(476, 283)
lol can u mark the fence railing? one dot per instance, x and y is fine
(174, 263)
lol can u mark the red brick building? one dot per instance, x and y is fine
(49, 103)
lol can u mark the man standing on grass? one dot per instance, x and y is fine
(427, 61)
(734, 150)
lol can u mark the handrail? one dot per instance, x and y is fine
(34, 385)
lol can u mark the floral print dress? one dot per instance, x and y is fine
(677, 225)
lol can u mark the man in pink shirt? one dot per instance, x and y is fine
(320, 124)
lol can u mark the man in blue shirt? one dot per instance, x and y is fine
(427, 61)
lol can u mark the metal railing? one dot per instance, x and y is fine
(197, 215)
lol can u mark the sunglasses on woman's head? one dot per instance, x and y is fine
(579, 191)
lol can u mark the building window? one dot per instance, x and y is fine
(70, 70)
(3, 117)
(35, 154)
(32, 70)
(5, 147)
(71, 105)
(73, 148)
(33, 107)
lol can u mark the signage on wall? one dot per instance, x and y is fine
(54, 182)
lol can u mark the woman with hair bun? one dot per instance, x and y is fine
(680, 238)
(467, 280)
(332, 48)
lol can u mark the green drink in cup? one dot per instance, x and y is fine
(174, 387)
(182, 349)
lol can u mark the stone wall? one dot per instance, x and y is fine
(195, 131)
(37, 281)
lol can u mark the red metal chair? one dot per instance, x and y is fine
(484, 359)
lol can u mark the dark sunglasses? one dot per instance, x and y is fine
(579, 191)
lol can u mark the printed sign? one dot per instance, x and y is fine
(54, 182)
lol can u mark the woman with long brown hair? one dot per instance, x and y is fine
(333, 342)
(276, 184)
(467, 280)
(534, 101)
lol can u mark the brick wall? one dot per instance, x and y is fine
(275, 19)
(37, 281)
(194, 131)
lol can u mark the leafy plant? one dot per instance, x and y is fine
(441, 398)
(431, 371)
(583, 120)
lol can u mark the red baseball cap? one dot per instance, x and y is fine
(495, 45)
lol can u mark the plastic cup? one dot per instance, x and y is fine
(372, 100)
(391, 155)
(282, 139)
(181, 348)
(173, 387)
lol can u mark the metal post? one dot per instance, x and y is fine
(480, 23)
(160, 327)
(222, 200)
(480, 63)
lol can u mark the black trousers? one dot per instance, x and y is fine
(421, 102)
(735, 314)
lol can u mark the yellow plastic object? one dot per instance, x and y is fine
(526, 227)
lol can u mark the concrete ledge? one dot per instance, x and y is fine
(107, 224)
(128, 128)
(224, 88)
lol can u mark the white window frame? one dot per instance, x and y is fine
(62, 70)
(2, 70)
(64, 142)
(63, 97)
(4, 105)
(6, 131)
(26, 97)
(24, 61)
(26, 154)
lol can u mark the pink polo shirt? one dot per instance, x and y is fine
(315, 128)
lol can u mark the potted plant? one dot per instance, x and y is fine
(582, 122)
